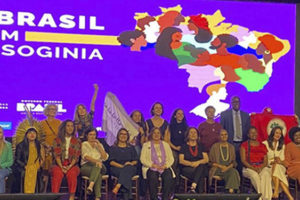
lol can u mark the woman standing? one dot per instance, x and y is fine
(157, 159)
(50, 128)
(6, 160)
(175, 138)
(139, 140)
(28, 159)
(82, 119)
(254, 158)
(193, 160)
(275, 146)
(93, 154)
(157, 121)
(209, 130)
(222, 159)
(123, 161)
(66, 149)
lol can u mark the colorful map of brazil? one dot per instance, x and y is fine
(213, 52)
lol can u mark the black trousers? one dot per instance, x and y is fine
(197, 175)
(167, 182)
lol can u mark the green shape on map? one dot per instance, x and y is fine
(253, 81)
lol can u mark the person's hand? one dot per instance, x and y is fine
(99, 164)
(223, 168)
(64, 169)
(128, 163)
(277, 160)
(178, 148)
(194, 164)
(141, 130)
(96, 87)
(155, 166)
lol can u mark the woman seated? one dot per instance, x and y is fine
(193, 160)
(66, 150)
(92, 155)
(28, 159)
(123, 161)
(222, 158)
(6, 160)
(254, 158)
(157, 159)
(292, 152)
(275, 146)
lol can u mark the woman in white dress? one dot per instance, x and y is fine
(275, 146)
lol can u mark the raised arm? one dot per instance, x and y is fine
(96, 88)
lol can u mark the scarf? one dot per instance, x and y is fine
(154, 156)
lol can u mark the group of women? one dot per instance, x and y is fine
(160, 151)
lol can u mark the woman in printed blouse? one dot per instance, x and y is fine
(66, 149)
(193, 159)
(157, 159)
(123, 161)
(254, 158)
(6, 160)
(92, 156)
(82, 119)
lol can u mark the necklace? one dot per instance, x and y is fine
(222, 154)
(194, 153)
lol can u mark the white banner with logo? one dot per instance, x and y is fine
(114, 118)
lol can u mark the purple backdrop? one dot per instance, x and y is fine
(138, 79)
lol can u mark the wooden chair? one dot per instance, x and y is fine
(187, 182)
(135, 185)
(246, 185)
(104, 186)
(217, 183)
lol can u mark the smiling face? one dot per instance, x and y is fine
(179, 116)
(252, 134)
(81, 111)
(137, 117)
(51, 111)
(297, 137)
(69, 128)
(277, 134)
(157, 109)
(31, 136)
(123, 136)
(156, 135)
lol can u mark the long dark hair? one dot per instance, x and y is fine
(25, 145)
(62, 130)
(173, 122)
(142, 123)
(164, 40)
(271, 136)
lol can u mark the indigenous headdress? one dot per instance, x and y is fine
(27, 123)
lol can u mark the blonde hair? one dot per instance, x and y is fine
(2, 143)
(46, 109)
